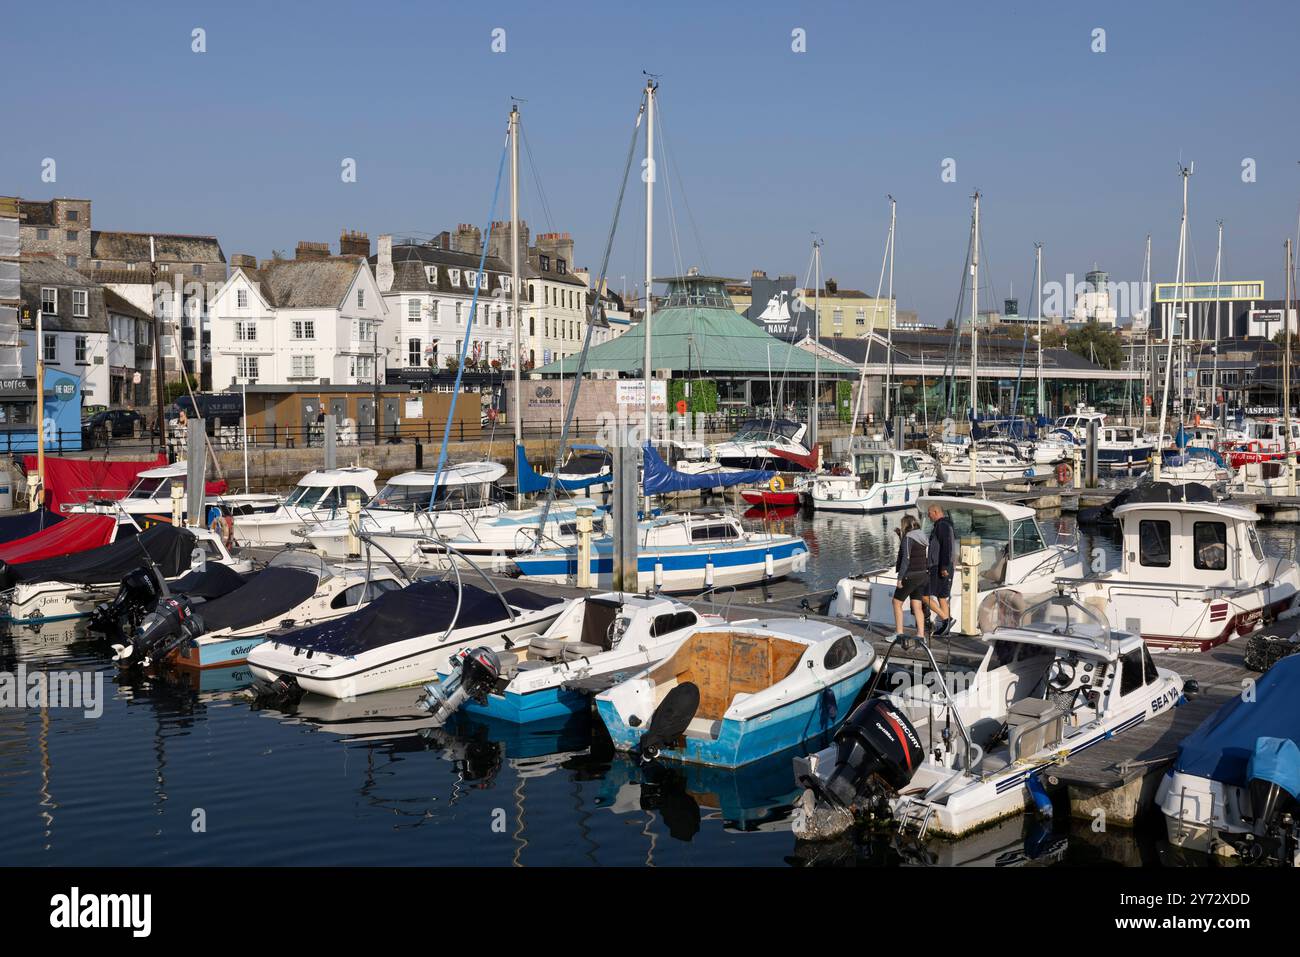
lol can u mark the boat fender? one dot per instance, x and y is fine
(1042, 803)
(669, 721)
(224, 527)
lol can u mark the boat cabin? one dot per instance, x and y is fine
(1012, 545)
(774, 431)
(468, 485)
(1191, 543)
(331, 488)
(586, 460)
(1271, 433)
(1079, 422)
(880, 465)
(701, 526)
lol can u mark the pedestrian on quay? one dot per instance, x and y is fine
(941, 559)
(913, 574)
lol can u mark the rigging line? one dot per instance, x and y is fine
(950, 362)
(593, 306)
(681, 189)
(469, 326)
(668, 189)
(871, 338)
(537, 178)
(785, 366)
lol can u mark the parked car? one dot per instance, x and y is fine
(110, 423)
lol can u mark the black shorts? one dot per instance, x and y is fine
(940, 585)
(912, 587)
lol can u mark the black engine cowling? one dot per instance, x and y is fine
(136, 597)
(170, 624)
(877, 745)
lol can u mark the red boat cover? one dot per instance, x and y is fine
(77, 481)
(76, 533)
(811, 461)
(218, 487)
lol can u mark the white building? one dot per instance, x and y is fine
(74, 325)
(1093, 301)
(302, 320)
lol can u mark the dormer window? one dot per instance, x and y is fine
(546, 263)
(454, 276)
(505, 283)
(431, 275)
(561, 266)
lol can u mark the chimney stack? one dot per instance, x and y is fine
(310, 250)
(353, 243)
(243, 260)
(499, 245)
(384, 263)
(469, 239)
(558, 246)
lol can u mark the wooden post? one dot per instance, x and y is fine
(970, 571)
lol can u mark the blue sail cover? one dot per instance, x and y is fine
(1276, 760)
(658, 478)
(529, 481)
(1224, 746)
(1176, 457)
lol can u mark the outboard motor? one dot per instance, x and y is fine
(877, 751)
(473, 675)
(135, 598)
(172, 623)
(1274, 776)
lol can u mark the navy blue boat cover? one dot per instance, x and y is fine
(528, 481)
(1224, 746)
(421, 608)
(266, 596)
(167, 545)
(214, 581)
(658, 477)
(14, 527)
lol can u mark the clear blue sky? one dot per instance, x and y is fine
(1074, 148)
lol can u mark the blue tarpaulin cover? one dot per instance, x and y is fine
(658, 478)
(529, 481)
(1174, 457)
(1223, 747)
(1276, 760)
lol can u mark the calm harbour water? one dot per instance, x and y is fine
(181, 773)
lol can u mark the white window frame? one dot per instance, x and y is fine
(247, 368)
(303, 330)
(80, 348)
(241, 298)
(245, 330)
(51, 347)
(302, 367)
(53, 299)
(413, 313)
(81, 303)
(431, 275)
(414, 352)
(361, 299)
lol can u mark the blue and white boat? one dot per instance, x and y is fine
(686, 552)
(514, 532)
(1234, 787)
(597, 641)
(1120, 448)
(731, 694)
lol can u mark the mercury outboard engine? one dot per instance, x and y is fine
(135, 598)
(172, 623)
(473, 675)
(1274, 781)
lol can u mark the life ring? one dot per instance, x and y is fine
(777, 484)
(1064, 473)
(223, 526)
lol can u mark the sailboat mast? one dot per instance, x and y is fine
(1148, 387)
(650, 88)
(518, 410)
(1038, 282)
(817, 328)
(1171, 331)
(1218, 310)
(974, 328)
(1286, 377)
(889, 326)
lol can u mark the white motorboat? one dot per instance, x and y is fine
(995, 461)
(730, 694)
(1232, 789)
(401, 638)
(1192, 574)
(1120, 448)
(879, 480)
(683, 552)
(947, 761)
(1016, 563)
(320, 496)
(594, 643)
(73, 585)
(296, 589)
(511, 533)
(1193, 466)
(151, 495)
(751, 447)
(420, 504)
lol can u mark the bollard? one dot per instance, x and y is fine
(178, 509)
(584, 547)
(970, 573)
(354, 526)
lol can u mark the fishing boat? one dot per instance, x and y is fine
(151, 495)
(1233, 788)
(683, 552)
(731, 694)
(1192, 574)
(72, 586)
(595, 642)
(879, 480)
(401, 638)
(320, 496)
(294, 590)
(1017, 565)
(948, 761)
(760, 444)
(420, 503)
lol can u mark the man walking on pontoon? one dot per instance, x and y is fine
(941, 558)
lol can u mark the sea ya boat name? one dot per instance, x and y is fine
(74, 910)
(53, 689)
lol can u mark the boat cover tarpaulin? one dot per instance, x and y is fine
(1222, 747)
(528, 481)
(658, 478)
(422, 608)
(77, 481)
(1276, 760)
(14, 527)
(267, 596)
(167, 545)
(214, 581)
(78, 534)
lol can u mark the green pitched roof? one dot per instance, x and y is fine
(698, 330)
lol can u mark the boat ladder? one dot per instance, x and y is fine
(914, 814)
